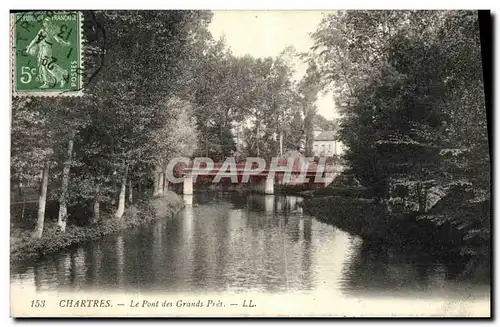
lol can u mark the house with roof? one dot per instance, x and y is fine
(326, 145)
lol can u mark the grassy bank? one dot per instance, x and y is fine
(24, 246)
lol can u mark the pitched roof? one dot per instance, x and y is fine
(326, 136)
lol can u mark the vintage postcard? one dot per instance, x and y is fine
(197, 163)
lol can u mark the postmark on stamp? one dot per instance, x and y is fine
(47, 56)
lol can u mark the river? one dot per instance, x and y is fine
(228, 243)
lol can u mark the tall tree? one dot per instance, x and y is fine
(401, 112)
(309, 88)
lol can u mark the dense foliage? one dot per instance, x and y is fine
(132, 119)
(157, 86)
(410, 88)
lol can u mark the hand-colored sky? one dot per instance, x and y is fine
(267, 33)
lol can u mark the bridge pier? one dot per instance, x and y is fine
(187, 187)
(269, 203)
(264, 186)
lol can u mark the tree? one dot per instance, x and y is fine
(32, 151)
(309, 88)
(142, 45)
(325, 124)
(295, 134)
(178, 137)
(401, 114)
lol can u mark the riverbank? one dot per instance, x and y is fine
(364, 218)
(404, 231)
(24, 246)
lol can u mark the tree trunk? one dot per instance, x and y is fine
(130, 192)
(63, 210)
(424, 199)
(21, 195)
(281, 143)
(421, 199)
(165, 182)
(309, 129)
(42, 201)
(160, 183)
(121, 200)
(206, 144)
(156, 183)
(257, 139)
(96, 217)
(23, 208)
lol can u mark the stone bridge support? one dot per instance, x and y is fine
(187, 188)
(264, 186)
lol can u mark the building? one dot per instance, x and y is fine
(326, 145)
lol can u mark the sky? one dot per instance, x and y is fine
(267, 33)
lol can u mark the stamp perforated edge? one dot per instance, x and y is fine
(45, 93)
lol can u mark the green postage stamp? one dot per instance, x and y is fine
(47, 53)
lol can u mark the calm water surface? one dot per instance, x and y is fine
(233, 243)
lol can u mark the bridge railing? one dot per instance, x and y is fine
(279, 170)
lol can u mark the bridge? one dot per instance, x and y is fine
(260, 179)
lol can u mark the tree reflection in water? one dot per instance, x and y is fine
(376, 271)
(234, 243)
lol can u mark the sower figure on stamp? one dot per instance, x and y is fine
(49, 72)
